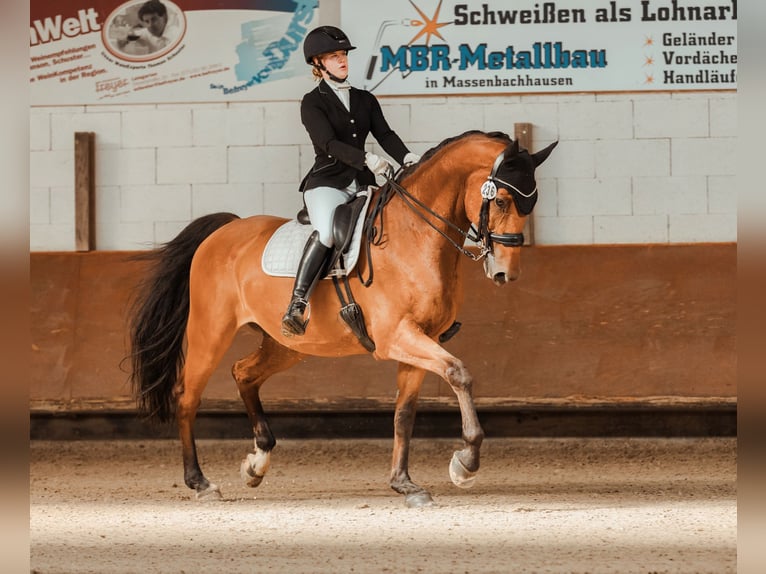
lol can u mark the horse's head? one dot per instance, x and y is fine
(508, 196)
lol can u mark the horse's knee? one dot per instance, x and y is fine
(458, 377)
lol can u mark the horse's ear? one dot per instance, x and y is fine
(514, 149)
(543, 154)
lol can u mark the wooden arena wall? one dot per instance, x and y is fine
(583, 326)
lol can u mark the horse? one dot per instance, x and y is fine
(207, 282)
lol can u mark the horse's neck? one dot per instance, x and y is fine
(441, 185)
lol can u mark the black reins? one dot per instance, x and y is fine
(373, 235)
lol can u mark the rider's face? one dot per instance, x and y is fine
(336, 63)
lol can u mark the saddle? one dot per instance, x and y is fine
(284, 249)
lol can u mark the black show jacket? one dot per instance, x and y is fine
(339, 137)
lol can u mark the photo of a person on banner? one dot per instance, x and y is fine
(154, 31)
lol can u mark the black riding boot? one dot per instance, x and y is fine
(309, 272)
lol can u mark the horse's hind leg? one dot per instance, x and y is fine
(206, 344)
(250, 373)
(409, 380)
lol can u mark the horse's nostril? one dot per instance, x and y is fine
(500, 278)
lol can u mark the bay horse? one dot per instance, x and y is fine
(208, 282)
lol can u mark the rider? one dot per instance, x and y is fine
(338, 119)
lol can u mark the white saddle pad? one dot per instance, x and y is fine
(284, 250)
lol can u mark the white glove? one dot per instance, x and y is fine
(411, 158)
(377, 164)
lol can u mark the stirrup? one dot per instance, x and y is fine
(293, 322)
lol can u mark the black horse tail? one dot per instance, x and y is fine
(158, 317)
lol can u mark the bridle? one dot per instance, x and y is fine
(481, 235)
(488, 193)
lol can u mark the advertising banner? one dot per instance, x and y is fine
(152, 51)
(431, 47)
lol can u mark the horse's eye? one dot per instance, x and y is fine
(502, 203)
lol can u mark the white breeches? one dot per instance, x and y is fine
(321, 203)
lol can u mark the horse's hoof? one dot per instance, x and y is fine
(248, 475)
(460, 475)
(419, 500)
(210, 494)
(254, 467)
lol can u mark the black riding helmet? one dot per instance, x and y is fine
(324, 40)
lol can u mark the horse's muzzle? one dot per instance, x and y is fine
(499, 274)
(503, 278)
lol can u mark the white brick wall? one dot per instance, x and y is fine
(671, 119)
(106, 124)
(156, 128)
(201, 164)
(164, 202)
(629, 168)
(723, 117)
(630, 229)
(542, 115)
(670, 195)
(590, 121)
(722, 194)
(581, 196)
(708, 156)
(244, 199)
(434, 122)
(234, 126)
(264, 164)
(124, 166)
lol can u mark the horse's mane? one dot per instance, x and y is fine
(500, 136)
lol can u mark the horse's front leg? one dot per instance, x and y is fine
(412, 346)
(409, 379)
(250, 373)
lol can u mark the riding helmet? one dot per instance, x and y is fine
(324, 40)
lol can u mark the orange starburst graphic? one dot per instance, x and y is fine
(649, 41)
(430, 25)
(649, 61)
(649, 79)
